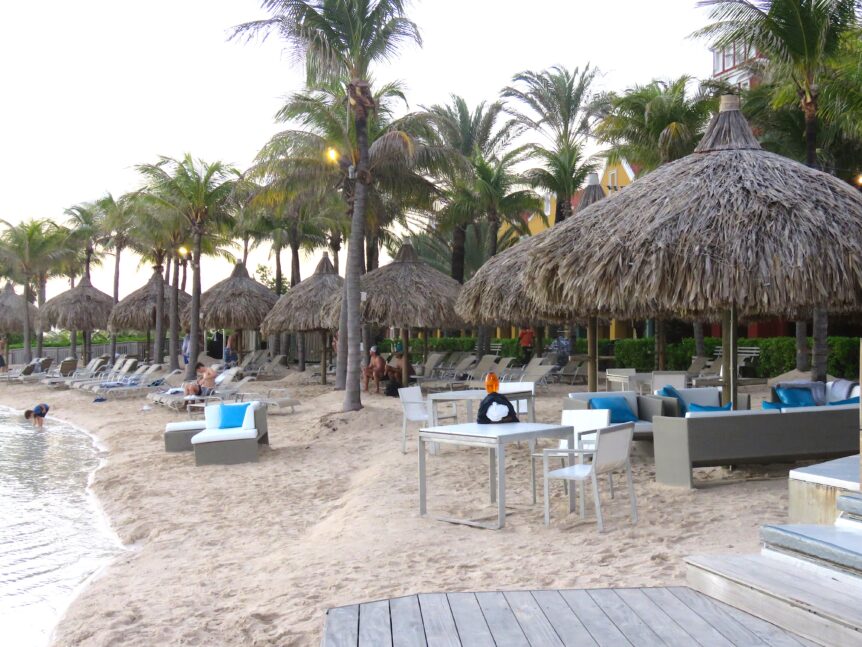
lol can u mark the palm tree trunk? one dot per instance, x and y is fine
(341, 350)
(405, 357)
(493, 234)
(167, 278)
(352, 394)
(194, 327)
(324, 338)
(73, 344)
(334, 248)
(244, 250)
(699, 341)
(28, 350)
(174, 316)
(185, 272)
(372, 251)
(117, 254)
(40, 299)
(159, 346)
(295, 278)
(564, 208)
(821, 345)
(459, 245)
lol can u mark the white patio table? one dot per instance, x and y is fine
(495, 438)
(470, 396)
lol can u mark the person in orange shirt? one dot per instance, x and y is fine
(525, 341)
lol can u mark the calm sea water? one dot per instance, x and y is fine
(52, 534)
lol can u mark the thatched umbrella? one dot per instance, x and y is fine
(238, 302)
(730, 228)
(82, 307)
(301, 309)
(406, 292)
(12, 311)
(138, 310)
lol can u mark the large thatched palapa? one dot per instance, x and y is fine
(237, 302)
(406, 293)
(301, 308)
(83, 307)
(12, 311)
(138, 310)
(730, 228)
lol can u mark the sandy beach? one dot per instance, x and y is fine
(254, 554)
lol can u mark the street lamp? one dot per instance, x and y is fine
(183, 251)
(332, 154)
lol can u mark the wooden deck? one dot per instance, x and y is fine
(676, 616)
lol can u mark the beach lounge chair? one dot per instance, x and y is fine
(571, 371)
(105, 372)
(149, 382)
(218, 444)
(611, 454)
(60, 373)
(131, 378)
(27, 369)
(434, 360)
(482, 367)
(93, 368)
(280, 397)
(416, 409)
(125, 369)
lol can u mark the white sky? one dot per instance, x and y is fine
(94, 87)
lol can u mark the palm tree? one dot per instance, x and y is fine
(117, 218)
(649, 125)
(467, 133)
(341, 40)
(559, 108)
(799, 39)
(199, 193)
(27, 250)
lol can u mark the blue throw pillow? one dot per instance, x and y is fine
(670, 392)
(847, 401)
(773, 405)
(618, 406)
(693, 407)
(796, 397)
(232, 415)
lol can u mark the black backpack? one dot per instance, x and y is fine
(391, 389)
(495, 398)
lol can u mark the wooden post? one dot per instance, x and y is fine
(323, 363)
(660, 345)
(143, 359)
(729, 367)
(405, 357)
(592, 354)
(424, 345)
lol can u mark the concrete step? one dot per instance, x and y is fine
(810, 602)
(839, 545)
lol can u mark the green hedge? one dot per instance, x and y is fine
(62, 338)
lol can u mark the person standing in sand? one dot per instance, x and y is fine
(37, 415)
(3, 366)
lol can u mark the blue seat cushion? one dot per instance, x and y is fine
(232, 415)
(694, 407)
(671, 392)
(618, 406)
(847, 401)
(773, 405)
(796, 397)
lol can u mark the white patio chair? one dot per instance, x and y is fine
(417, 409)
(611, 454)
(585, 422)
(676, 379)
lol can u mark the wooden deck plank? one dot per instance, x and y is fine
(721, 621)
(375, 628)
(342, 627)
(569, 628)
(469, 620)
(440, 628)
(501, 620)
(407, 627)
(767, 632)
(664, 626)
(534, 624)
(625, 618)
(603, 631)
(698, 628)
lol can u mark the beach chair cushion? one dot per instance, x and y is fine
(232, 415)
(695, 408)
(669, 391)
(767, 405)
(619, 407)
(223, 435)
(795, 397)
(838, 403)
(212, 416)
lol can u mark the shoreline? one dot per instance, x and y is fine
(255, 553)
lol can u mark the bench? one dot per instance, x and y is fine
(750, 437)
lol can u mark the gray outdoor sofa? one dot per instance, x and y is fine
(645, 407)
(753, 437)
(215, 446)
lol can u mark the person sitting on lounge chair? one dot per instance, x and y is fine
(205, 384)
(375, 370)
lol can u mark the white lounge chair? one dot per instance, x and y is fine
(218, 445)
(611, 454)
(417, 409)
(280, 397)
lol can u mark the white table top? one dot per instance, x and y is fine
(473, 394)
(503, 432)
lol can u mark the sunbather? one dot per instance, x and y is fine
(375, 370)
(205, 384)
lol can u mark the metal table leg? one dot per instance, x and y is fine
(423, 494)
(501, 485)
(492, 473)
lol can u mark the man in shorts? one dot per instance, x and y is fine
(375, 370)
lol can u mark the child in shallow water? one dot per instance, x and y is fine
(37, 414)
